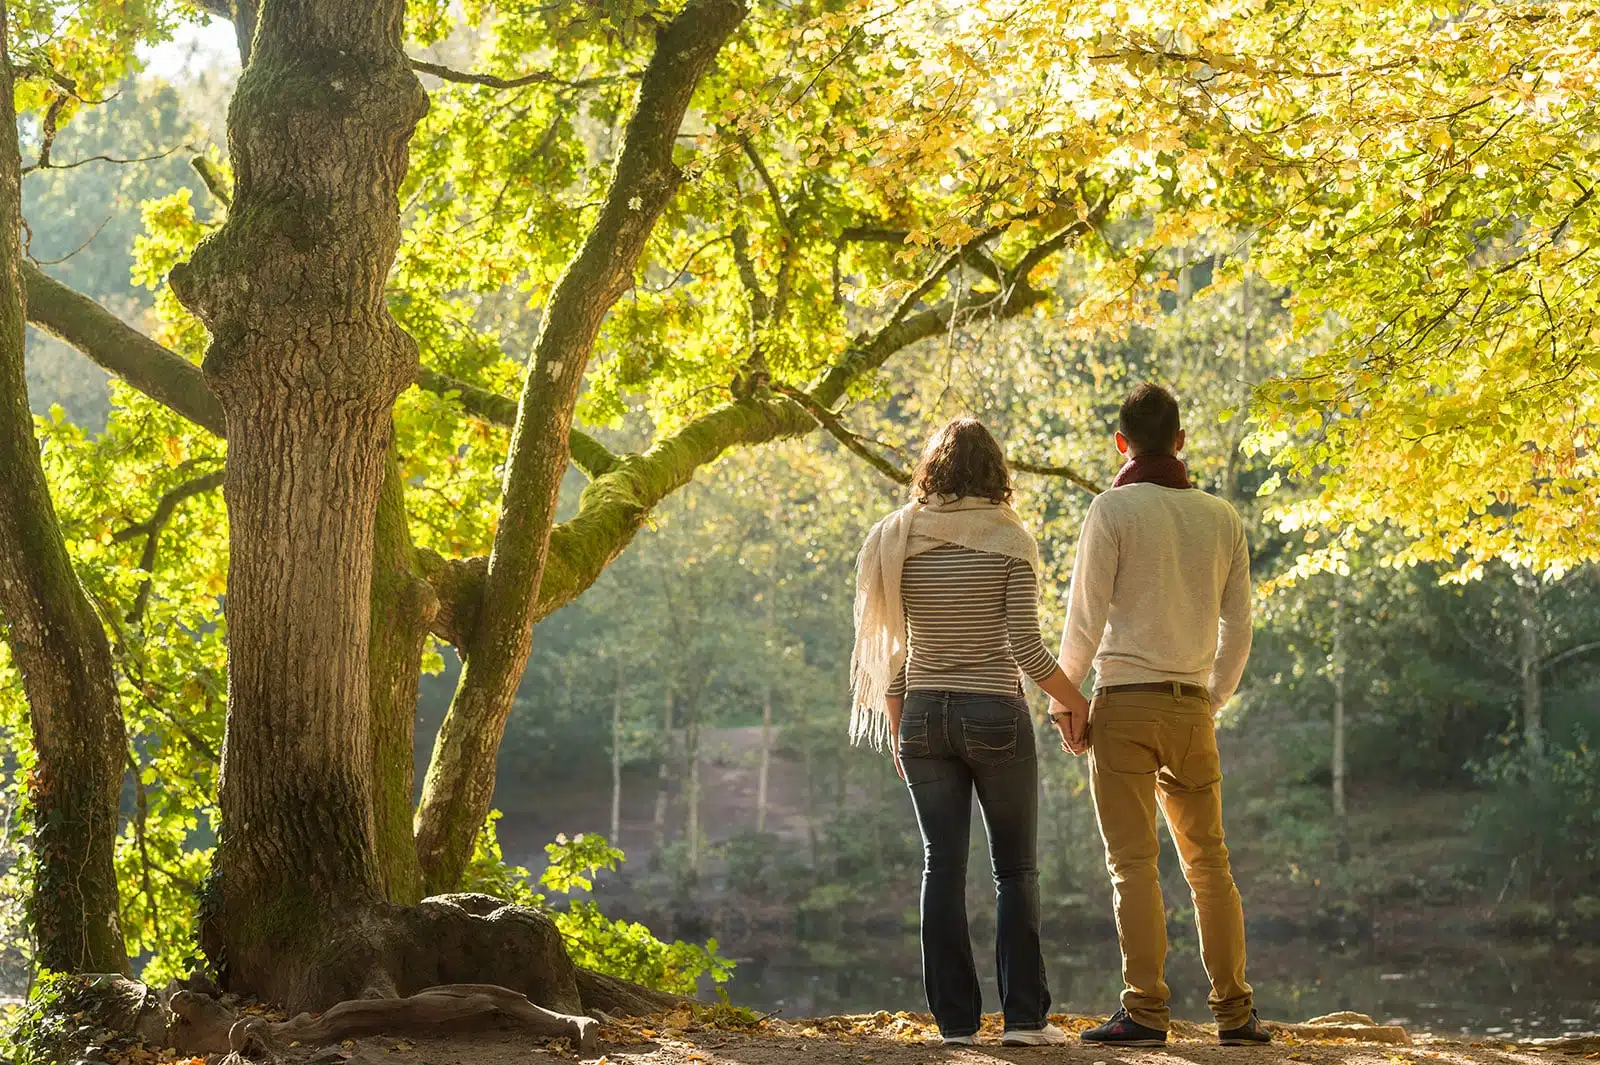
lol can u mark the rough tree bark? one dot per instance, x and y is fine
(306, 364)
(401, 600)
(460, 781)
(58, 645)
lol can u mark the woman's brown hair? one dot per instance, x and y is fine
(963, 459)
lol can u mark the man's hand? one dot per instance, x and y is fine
(1071, 719)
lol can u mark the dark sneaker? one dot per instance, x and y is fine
(1123, 1031)
(1250, 1033)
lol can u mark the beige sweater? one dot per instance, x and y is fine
(1160, 591)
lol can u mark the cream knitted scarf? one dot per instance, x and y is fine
(880, 648)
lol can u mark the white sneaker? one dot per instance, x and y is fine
(958, 1040)
(1049, 1035)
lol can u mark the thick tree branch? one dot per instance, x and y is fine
(644, 180)
(172, 380)
(613, 507)
(215, 182)
(242, 13)
(116, 346)
(56, 641)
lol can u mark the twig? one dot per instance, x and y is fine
(1064, 472)
(829, 421)
(494, 81)
(87, 241)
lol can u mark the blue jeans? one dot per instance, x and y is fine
(952, 743)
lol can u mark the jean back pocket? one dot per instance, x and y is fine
(991, 743)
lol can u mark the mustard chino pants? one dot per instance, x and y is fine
(1159, 748)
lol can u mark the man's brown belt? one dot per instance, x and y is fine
(1171, 687)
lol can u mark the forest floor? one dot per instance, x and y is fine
(900, 1039)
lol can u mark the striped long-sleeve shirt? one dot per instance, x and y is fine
(972, 620)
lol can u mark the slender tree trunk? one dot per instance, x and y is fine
(306, 363)
(1338, 715)
(809, 768)
(58, 645)
(616, 758)
(1530, 658)
(764, 772)
(664, 772)
(403, 608)
(692, 798)
(460, 780)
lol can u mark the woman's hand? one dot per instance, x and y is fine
(1069, 712)
(1070, 716)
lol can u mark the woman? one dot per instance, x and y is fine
(947, 621)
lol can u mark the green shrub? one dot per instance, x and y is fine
(624, 949)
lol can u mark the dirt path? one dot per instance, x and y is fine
(900, 1039)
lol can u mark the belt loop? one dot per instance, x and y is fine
(1177, 690)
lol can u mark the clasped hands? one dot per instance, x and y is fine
(1071, 719)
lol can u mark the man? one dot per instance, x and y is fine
(1160, 605)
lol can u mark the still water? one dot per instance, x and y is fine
(1504, 990)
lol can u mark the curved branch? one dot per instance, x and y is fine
(1066, 473)
(613, 507)
(170, 379)
(852, 441)
(1571, 652)
(111, 343)
(151, 528)
(494, 81)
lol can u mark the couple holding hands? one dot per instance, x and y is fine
(947, 623)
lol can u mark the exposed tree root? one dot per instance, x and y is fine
(201, 1025)
(457, 961)
(621, 998)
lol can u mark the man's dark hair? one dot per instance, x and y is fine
(1149, 419)
(963, 459)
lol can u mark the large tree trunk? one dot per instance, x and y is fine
(460, 782)
(58, 645)
(306, 363)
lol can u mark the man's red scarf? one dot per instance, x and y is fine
(1166, 470)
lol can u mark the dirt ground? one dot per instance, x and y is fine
(901, 1039)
